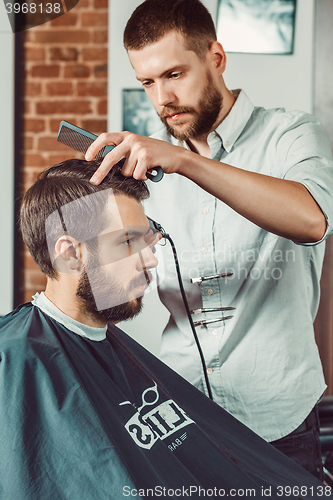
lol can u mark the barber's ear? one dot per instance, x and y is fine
(218, 57)
(68, 255)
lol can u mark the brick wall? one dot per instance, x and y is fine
(64, 78)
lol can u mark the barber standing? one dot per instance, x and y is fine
(252, 199)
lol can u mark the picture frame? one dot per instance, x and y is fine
(139, 115)
(257, 26)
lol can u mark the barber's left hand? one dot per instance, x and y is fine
(141, 153)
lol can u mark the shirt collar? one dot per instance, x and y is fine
(234, 123)
(90, 332)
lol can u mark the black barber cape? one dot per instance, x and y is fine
(106, 420)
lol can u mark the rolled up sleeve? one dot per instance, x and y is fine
(306, 154)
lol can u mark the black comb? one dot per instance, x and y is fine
(79, 139)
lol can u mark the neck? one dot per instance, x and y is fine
(62, 293)
(200, 144)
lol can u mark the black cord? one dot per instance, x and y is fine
(188, 312)
(156, 227)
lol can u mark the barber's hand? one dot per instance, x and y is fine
(141, 153)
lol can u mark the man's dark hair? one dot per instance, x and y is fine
(155, 18)
(56, 187)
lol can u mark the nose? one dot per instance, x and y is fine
(147, 259)
(164, 94)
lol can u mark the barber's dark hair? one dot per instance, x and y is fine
(56, 187)
(155, 18)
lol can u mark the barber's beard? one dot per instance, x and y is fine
(209, 108)
(127, 309)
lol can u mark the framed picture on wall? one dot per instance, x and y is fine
(139, 115)
(256, 26)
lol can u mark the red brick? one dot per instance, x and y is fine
(23, 251)
(54, 124)
(34, 160)
(101, 4)
(50, 144)
(92, 89)
(92, 19)
(33, 125)
(82, 5)
(101, 71)
(28, 142)
(100, 36)
(45, 70)
(68, 19)
(27, 108)
(77, 71)
(29, 262)
(34, 54)
(102, 107)
(59, 88)
(32, 88)
(54, 159)
(28, 179)
(35, 279)
(64, 54)
(95, 54)
(66, 37)
(28, 36)
(65, 44)
(95, 126)
(27, 294)
(63, 107)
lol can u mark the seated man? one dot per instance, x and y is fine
(88, 414)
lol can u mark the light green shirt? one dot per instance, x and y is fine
(263, 364)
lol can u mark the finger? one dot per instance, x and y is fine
(104, 168)
(105, 139)
(109, 161)
(132, 168)
(102, 171)
(141, 163)
(135, 164)
(140, 172)
(129, 165)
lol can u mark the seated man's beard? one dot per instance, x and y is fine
(121, 312)
(203, 119)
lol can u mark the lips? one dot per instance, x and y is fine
(174, 114)
(175, 117)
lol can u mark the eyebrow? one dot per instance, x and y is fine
(178, 67)
(131, 233)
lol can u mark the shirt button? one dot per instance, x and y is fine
(210, 291)
(205, 210)
(209, 371)
(227, 144)
(204, 250)
(215, 332)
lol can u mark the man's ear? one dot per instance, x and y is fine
(218, 57)
(68, 255)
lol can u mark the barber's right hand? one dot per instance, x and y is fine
(141, 155)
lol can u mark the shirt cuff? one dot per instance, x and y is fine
(329, 229)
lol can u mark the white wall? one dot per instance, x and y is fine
(274, 81)
(270, 81)
(7, 162)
